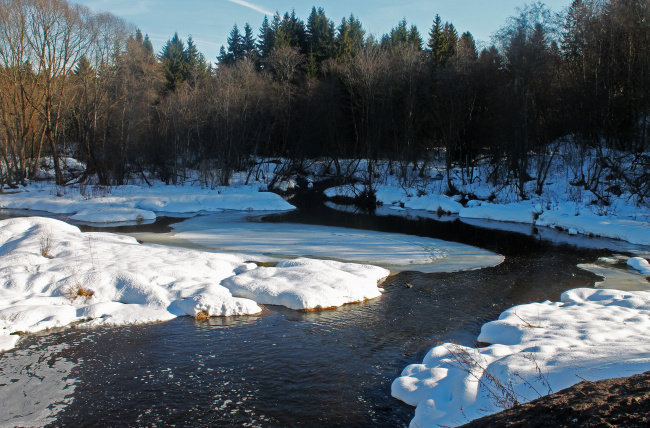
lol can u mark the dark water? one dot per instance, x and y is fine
(287, 368)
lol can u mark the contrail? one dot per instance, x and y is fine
(255, 7)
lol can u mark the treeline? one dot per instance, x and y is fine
(75, 82)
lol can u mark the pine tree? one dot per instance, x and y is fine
(197, 66)
(320, 35)
(398, 35)
(174, 62)
(148, 46)
(291, 33)
(350, 37)
(83, 68)
(248, 43)
(266, 39)
(414, 38)
(435, 39)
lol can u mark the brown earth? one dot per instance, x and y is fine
(621, 402)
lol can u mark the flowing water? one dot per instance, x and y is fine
(283, 367)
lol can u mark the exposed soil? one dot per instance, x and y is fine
(621, 402)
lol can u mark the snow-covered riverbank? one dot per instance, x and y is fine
(54, 275)
(624, 221)
(535, 349)
(134, 203)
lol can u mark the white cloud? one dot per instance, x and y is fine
(255, 7)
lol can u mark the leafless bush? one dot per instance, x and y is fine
(501, 392)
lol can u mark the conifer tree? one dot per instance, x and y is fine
(435, 39)
(148, 46)
(320, 35)
(83, 68)
(266, 39)
(350, 37)
(197, 66)
(414, 38)
(249, 47)
(291, 32)
(174, 62)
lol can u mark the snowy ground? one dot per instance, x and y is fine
(534, 349)
(124, 204)
(54, 275)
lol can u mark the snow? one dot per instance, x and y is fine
(534, 349)
(133, 203)
(639, 264)
(327, 283)
(232, 231)
(519, 212)
(47, 265)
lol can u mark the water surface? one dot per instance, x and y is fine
(288, 368)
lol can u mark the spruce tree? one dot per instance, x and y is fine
(248, 43)
(435, 39)
(147, 45)
(414, 38)
(320, 35)
(266, 39)
(350, 37)
(174, 62)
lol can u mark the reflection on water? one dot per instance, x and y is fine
(288, 368)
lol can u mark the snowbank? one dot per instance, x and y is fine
(135, 203)
(639, 264)
(327, 283)
(53, 275)
(535, 349)
(518, 212)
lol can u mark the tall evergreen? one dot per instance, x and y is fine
(197, 66)
(235, 47)
(350, 37)
(266, 39)
(174, 62)
(320, 35)
(249, 46)
(148, 46)
(291, 33)
(435, 40)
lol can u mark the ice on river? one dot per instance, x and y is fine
(231, 231)
(53, 275)
(535, 349)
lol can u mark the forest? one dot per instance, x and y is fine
(86, 85)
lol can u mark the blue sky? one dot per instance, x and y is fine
(210, 21)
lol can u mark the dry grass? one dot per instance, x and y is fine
(78, 290)
(46, 245)
(501, 392)
(202, 316)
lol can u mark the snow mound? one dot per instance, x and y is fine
(640, 264)
(535, 349)
(326, 283)
(434, 203)
(52, 275)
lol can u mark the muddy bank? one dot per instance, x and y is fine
(620, 402)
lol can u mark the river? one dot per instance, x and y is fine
(283, 367)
